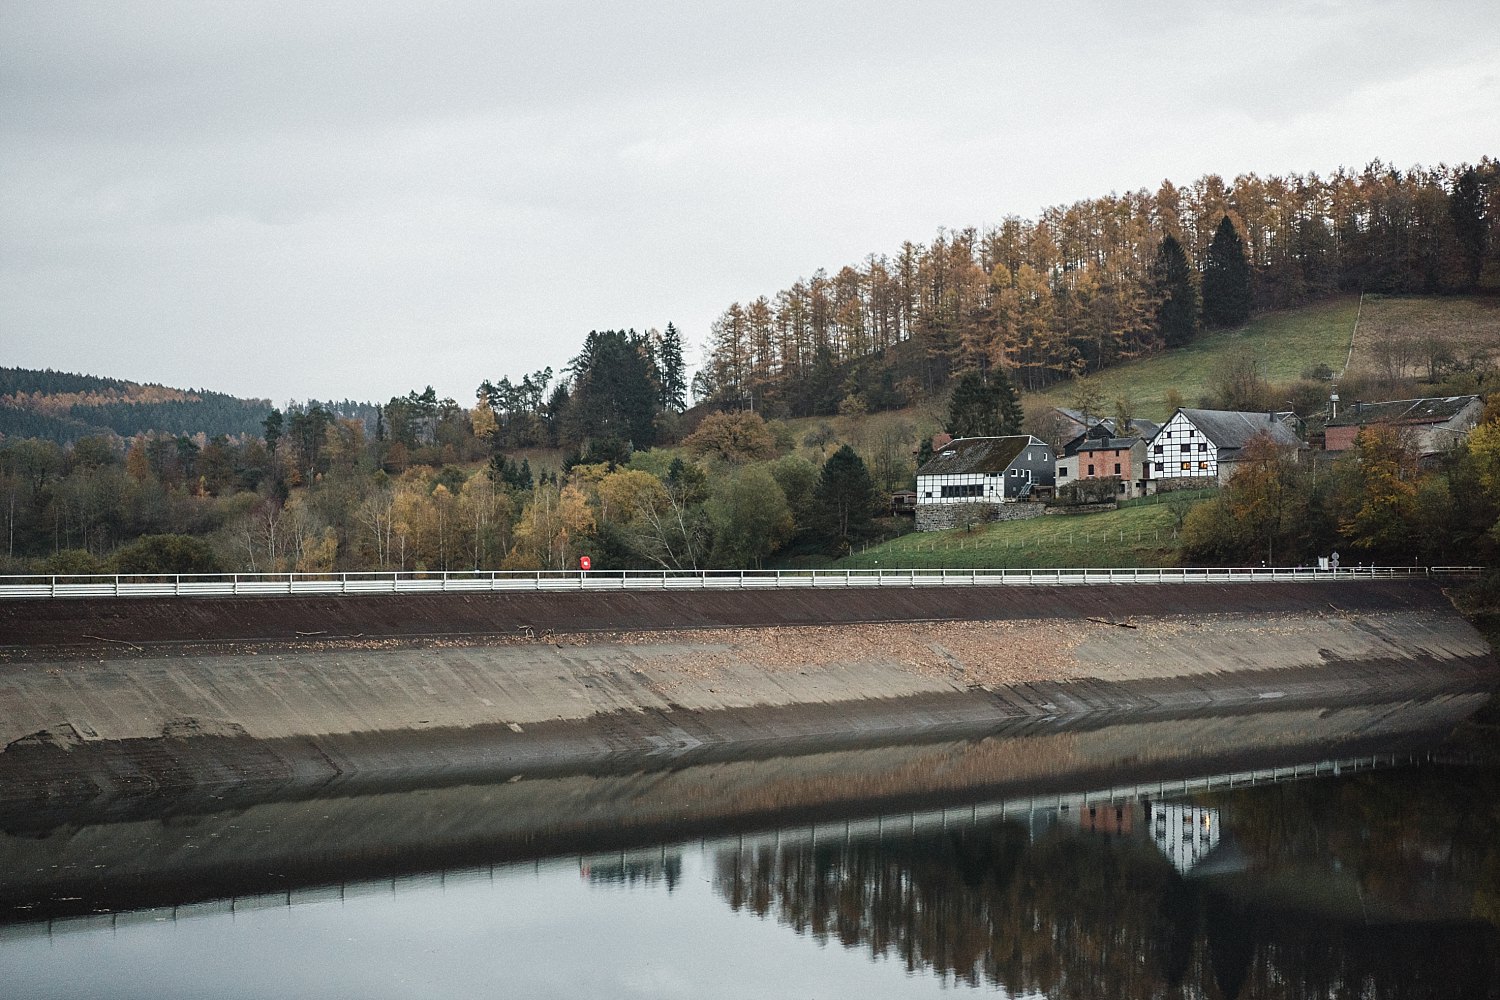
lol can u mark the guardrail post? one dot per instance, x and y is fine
(177, 585)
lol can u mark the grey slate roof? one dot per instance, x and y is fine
(1232, 429)
(1138, 427)
(1108, 444)
(1143, 430)
(984, 454)
(1431, 410)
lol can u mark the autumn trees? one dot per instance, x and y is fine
(1089, 284)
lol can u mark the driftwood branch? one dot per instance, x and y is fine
(1106, 621)
(121, 641)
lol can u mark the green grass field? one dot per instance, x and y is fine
(1285, 344)
(1134, 536)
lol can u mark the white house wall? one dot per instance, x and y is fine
(989, 484)
(1182, 443)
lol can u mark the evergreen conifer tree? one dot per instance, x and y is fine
(845, 497)
(1176, 296)
(981, 408)
(1466, 207)
(1226, 279)
(673, 371)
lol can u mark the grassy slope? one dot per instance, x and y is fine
(1285, 343)
(1133, 536)
(1471, 325)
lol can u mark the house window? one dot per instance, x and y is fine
(1117, 468)
(1062, 470)
(1203, 446)
(1187, 466)
(1156, 450)
(1015, 472)
(1192, 433)
(963, 490)
(1169, 435)
(1202, 465)
(928, 494)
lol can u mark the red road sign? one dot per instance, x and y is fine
(585, 563)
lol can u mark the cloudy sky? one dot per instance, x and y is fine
(354, 199)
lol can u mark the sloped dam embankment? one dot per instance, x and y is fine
(132, 696)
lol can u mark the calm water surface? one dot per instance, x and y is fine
(1373, 885)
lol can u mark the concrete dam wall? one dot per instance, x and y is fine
(121, 697)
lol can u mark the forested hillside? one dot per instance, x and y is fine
(1087, 285)
(63, 407)
(1174, 297)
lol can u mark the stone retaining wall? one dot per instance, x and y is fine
(945, 516)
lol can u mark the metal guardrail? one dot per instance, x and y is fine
(263, 584)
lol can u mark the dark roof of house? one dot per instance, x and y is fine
(1143, 430)
(1075, 415)
(982, 454)
(1108, 444)
(1232, 429)
(1138, 428)
(1432, 410)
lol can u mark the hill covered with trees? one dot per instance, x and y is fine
(1088, 285)
(603, 457)
(63, 407)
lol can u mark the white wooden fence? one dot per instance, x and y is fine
(258, 584)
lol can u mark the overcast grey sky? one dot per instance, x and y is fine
(355, 199)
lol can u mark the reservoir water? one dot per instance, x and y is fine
(1371, 875)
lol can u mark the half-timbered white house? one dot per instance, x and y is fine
(1206, 444)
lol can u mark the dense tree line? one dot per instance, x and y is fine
(424, 482)
(1379, 502)
(1100, 281)
(314, 493)
(62, 407)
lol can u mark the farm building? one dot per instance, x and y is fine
(1107, 458)
(988, 471)
(1436, 424)
(1205, 445)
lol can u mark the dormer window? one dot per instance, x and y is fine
(949, 453)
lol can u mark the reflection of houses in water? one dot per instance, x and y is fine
(631, 869)
(1185, 833)
(1109, 817)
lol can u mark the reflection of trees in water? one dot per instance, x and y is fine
(1091, 916)
(982, 906)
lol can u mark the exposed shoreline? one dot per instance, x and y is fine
(552, 683)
